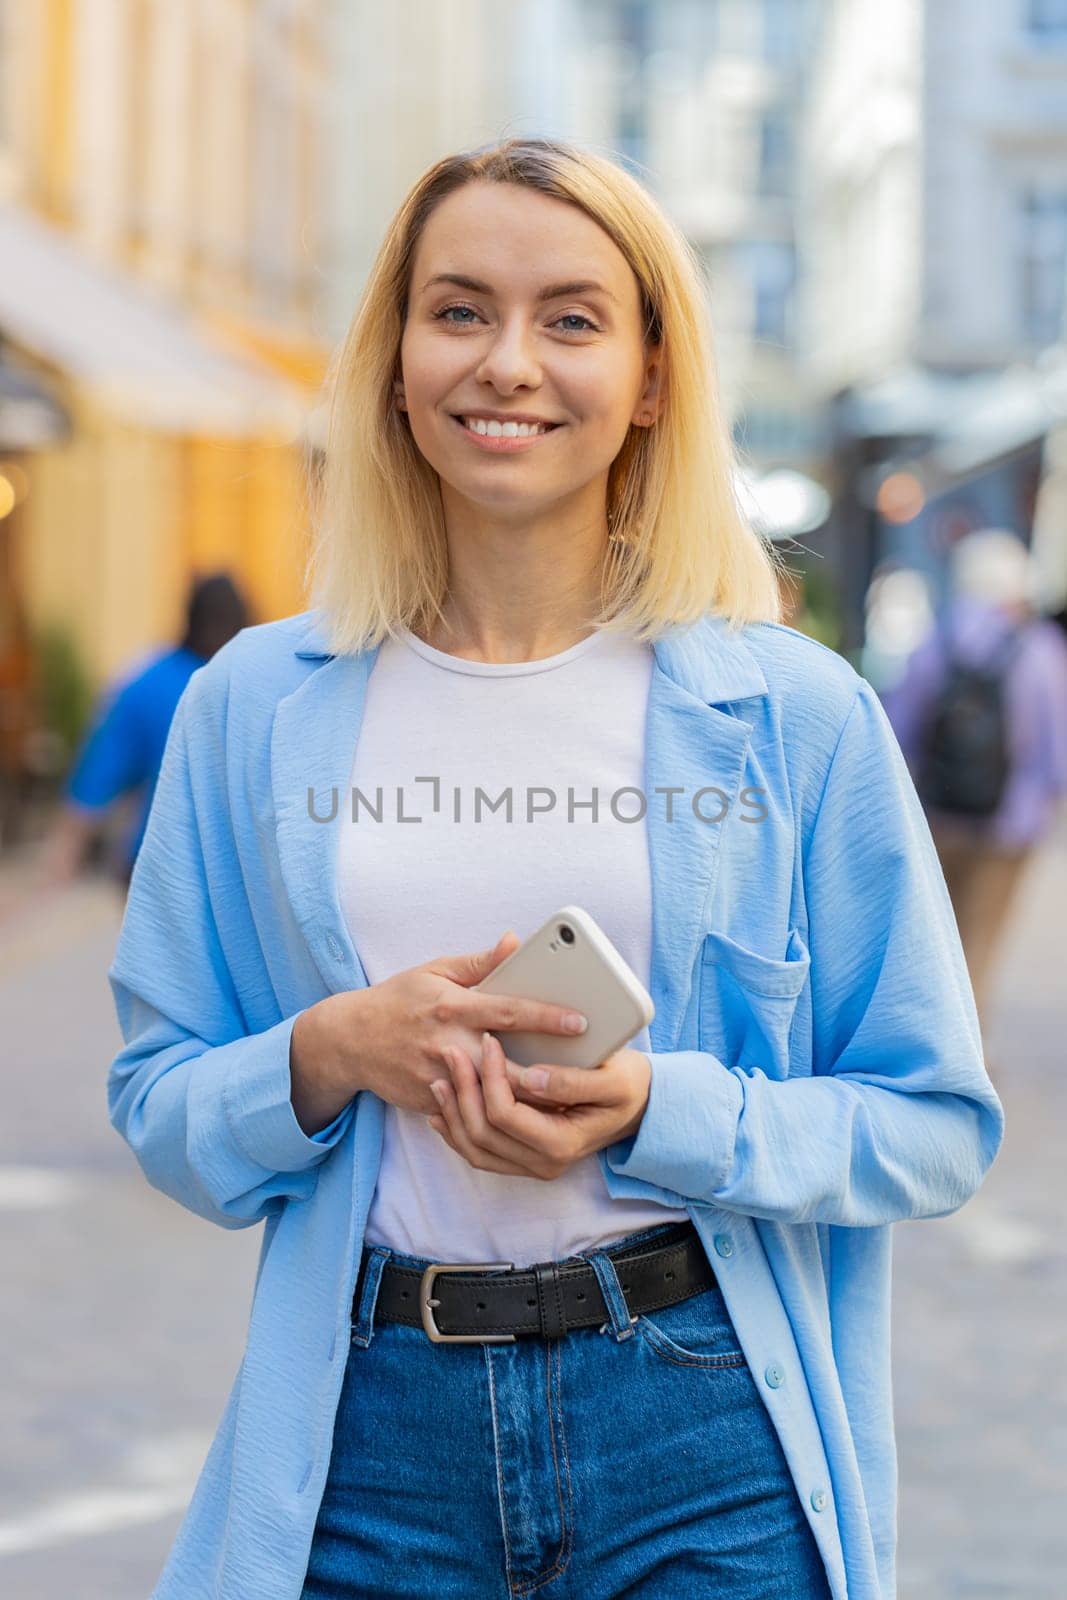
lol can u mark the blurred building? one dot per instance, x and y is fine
(935, 237)
(161, 206)
(710, 96)
(700, 97)
(411, 83)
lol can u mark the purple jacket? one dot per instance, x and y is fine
(1036, 703)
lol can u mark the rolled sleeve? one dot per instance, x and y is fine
(258, 1107)
(687, 1134)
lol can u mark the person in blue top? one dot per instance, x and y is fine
(543, 1330)
(123, 749)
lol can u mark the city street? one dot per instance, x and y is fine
(122, 1317)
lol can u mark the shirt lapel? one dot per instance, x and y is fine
(691, 744)
(312, 745)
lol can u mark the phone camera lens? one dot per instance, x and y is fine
(566, 934)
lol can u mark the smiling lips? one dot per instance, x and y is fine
(500, 435)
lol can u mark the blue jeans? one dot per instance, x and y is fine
(631, 1459)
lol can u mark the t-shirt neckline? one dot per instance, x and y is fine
(498, 669)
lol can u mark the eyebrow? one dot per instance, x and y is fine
(552, 291)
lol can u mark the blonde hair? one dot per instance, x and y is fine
(679, 544)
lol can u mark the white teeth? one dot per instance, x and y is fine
(490, 428)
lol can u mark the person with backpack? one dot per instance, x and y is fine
(981, 716)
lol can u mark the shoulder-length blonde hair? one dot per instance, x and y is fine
(679, 545)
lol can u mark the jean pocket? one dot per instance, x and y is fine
(696, 1332)
(748, 1002)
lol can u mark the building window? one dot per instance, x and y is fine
(775, 153)
(783, 25)
(1043, 264)
(1047, 19)
(770, 266)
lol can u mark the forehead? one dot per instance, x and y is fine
(516, 238)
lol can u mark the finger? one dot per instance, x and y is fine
(566, 1086)
(470, 1099)
(469, 969)
(507, 1013)
(450, 1128)
(538, 1128)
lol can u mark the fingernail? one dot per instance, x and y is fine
(534, 1078)
(437, 1089)
(574, 1022)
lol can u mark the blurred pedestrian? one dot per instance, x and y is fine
(981, 715)
(122, 752)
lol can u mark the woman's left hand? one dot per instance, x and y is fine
(584, 1110)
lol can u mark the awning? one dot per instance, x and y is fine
(1006, 412)
(970, 418)
(909, 400)
(143, 358)
(30, 417)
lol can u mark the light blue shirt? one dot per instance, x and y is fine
(817, 1069)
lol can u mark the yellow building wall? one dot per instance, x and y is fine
(119, 520)
(100, 555)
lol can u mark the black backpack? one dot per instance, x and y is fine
(965, 758)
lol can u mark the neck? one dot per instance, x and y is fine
(521, 588)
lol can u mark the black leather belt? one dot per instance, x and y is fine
(489, 1301)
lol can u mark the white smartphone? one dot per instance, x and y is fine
(570, 961)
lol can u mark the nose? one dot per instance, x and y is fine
(510, 361)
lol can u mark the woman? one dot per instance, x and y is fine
(534, 587)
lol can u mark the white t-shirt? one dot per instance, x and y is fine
(448, 741)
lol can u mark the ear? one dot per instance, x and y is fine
(398, 394)
(650, 404)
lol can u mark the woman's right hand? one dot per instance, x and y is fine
(390, 1036)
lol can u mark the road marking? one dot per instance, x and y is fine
(165, 1471)
(993, 1237)
(36, 1188)
(90, 1513)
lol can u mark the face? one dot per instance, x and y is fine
(523, 362)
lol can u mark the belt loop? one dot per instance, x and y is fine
(366, 1298)
(619, 1318)
(550, 1300)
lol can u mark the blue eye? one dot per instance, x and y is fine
(570, 316)
(443, 315)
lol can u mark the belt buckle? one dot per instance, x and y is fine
(426, 1303)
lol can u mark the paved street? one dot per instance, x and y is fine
(122, 1317)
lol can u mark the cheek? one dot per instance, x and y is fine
(427, 369)
(604, 394)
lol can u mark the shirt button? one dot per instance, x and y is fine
(724, 1244)
(819, 1499)
(775, 1377)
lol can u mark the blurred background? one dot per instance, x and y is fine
(190, 198)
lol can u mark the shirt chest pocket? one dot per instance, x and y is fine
(748, 1002)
